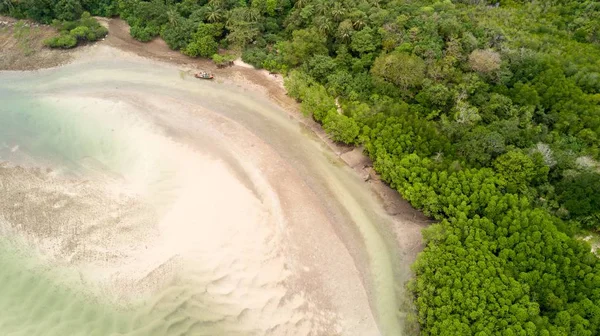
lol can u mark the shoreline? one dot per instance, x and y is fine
(244, 75)
(257, 81)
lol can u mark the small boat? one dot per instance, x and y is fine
(204, 75)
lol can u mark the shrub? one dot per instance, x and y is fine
(340, 127)
(74, 32)
(222, 60)
(255, 56)
(65, 41)
(144, 34)
(203, 47)
(80, 33)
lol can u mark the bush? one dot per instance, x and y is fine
(178, 35)
(144, 34)
(68, 10)
(203, 47)
(255, 56)
(74, 32)
(106, 8)
(80, 33)
(340, 127)
(222, 60)
(65, 41)
(96, 34)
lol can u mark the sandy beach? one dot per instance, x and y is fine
(208, 208)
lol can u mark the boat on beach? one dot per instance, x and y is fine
(204, 75)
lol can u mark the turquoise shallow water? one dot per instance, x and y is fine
(60, 155)
(37, 298)
(69, 224)
(33, 129)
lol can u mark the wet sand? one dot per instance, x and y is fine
(261, 230)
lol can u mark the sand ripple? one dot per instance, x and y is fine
(193, 268)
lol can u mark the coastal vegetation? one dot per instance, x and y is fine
(74, 24)
(486, 116)
(72, 33)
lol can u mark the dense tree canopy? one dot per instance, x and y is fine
(483, 114)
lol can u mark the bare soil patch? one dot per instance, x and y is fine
(22, 46)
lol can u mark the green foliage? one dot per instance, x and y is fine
(519, 170)
(365, 41)
(320, 66)
(243, 26)
(64, 41)
(203, 42)
(106, 8)
(255, 57)
(144, 34)
(296, 84)
(80, 33)
(480, 146)
(402, 69)
(204, 47)
(316, 102)
(435, 96)
(178, 34)
(223, 59)
(305, 43)
(86, 29)
(579, 194)
(68, 10)
(39, 10)
(145, 18)
(340, 127)
(74, 24)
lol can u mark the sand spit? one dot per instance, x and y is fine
(179, 238)
(225, 218)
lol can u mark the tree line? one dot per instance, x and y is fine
(484, 115)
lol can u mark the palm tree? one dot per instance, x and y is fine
(322, 8)
(323, 24)
(220, 4)
(252, 15)
(242, 15)
(173, 17)
(358, 22)
(242, 33)
(338, 11)
(359, 18)
(300, 3)
(345, 30)
(376, 3)
(213, 14)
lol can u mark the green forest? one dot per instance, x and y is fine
(485, 115)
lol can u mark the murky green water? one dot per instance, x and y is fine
(67, 222)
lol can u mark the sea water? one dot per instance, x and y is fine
(48, 146)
